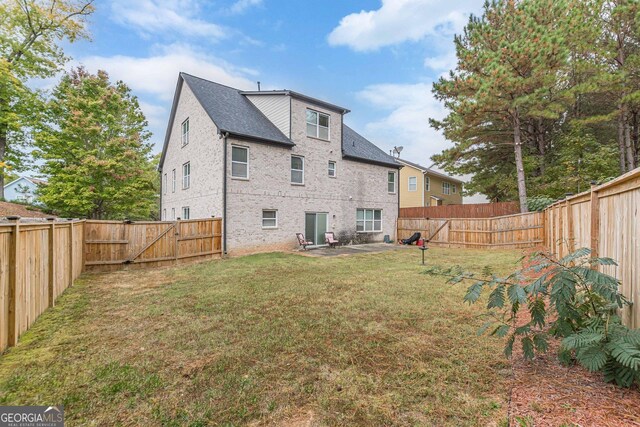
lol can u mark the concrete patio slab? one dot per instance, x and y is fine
(369, 248)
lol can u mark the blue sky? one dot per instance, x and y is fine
(377, 58)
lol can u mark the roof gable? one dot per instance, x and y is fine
(429, 171)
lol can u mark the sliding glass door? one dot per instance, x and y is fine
(315, 225)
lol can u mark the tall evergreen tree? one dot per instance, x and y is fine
(30, 35)
(95, 151)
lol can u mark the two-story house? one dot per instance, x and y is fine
(23, 190)
(421, 186)
(273, 164)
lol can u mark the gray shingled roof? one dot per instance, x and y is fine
(232, 112)
(357, 147)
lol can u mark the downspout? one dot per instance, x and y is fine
(224, 194)
(161, 192)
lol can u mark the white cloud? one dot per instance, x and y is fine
(444, 62)
(241, 6)
(165, 17)
(157, 74)
(408, 108)
(398, 21)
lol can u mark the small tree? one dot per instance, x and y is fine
(95, 150)
(566, 298)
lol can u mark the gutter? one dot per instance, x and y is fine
(224, 194)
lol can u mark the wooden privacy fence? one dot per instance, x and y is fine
(607, 220)
(479, 210)
(38, 261)
(112, 244)
(511, 231)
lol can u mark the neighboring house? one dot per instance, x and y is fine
(273, 164)
(22, 189)
(420, 186)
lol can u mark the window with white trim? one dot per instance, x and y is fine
(185, 132)
(391, 182)
(427, 183)
(446, 187)
(186, 175)
(332, 169)
(413, 183)
(368, 220)
(297, 170)
(186, 212)
(239, 162)
(269, 218)
(173, 181)
(164, 214)
(317, 125)
(173, 213)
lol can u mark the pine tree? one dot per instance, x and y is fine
(95, 151)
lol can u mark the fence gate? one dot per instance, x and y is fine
(111, 244)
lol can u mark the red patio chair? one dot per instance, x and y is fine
(330, 239)
(302, 241)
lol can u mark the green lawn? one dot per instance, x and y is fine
(272, 339)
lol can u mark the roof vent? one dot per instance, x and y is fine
(258, 86)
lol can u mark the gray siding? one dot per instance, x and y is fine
(277, 108)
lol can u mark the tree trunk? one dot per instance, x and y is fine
(517, 147)
(542, 149)
(621, 144)
(634, 138)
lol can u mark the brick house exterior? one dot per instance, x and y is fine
(279, 181)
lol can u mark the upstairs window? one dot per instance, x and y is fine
(332, 169)
(185, 132)
(297, 170)
(186, 175)
(427, 183)
(173, 181)
(446, 187)
(391, 182)
(317, 125)
(240, 162)
(413, 183)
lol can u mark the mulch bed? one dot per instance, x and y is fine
(547, 393)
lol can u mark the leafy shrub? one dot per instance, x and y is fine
(566, 298)
(539, 203)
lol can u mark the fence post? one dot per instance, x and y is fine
(52, 263)
(595, 222)
(176, 234)
(570, 233)
(71, 253)
(14, 251)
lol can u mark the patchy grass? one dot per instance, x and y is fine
(267, 339)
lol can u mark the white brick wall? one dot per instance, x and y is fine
(356, 185)
(204, 152)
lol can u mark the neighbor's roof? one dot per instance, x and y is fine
(357, 147)
(28, 178)
(15, 209)
(429, 171)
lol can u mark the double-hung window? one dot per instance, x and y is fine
(368, 220)
(173, 181)
(297, 170)
(239, 162)
(186, 212)
(332, 169)
(391, 182)
(185, 132)
(413, 183)
(269, 218)
(454, 188)
(186, 175)
(317, 125)
(446, 187)
(427, 183)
